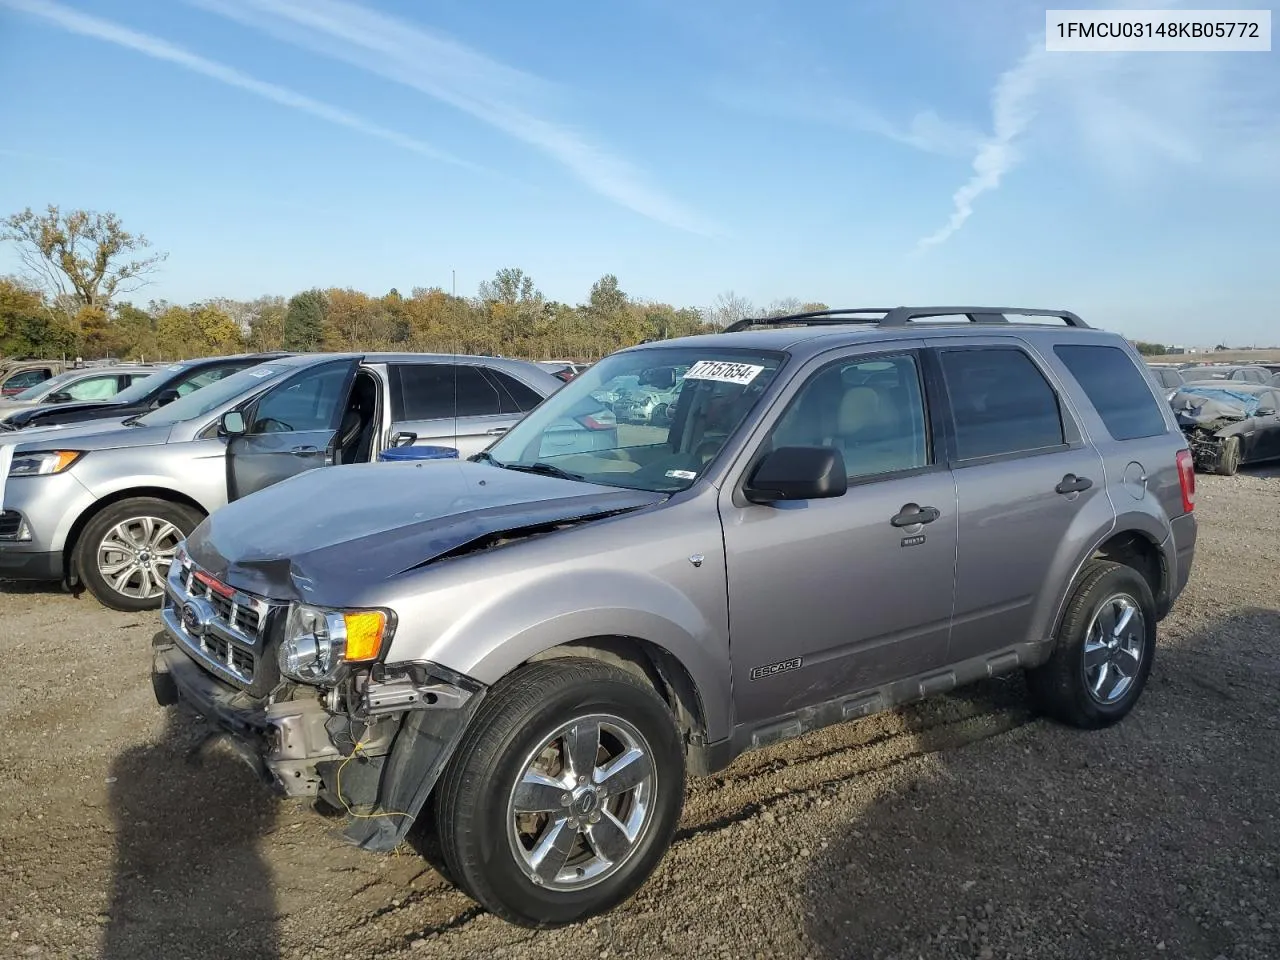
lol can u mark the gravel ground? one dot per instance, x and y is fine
(963, 827)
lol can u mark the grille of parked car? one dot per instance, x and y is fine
(10, 521)
(225, 628)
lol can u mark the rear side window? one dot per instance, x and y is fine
(513, 395)
(477, 396)
(1116, 389)
(1000, 402)
(422, 391)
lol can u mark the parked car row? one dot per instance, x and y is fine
(78, 385)
(1230, 413)
(106, 501)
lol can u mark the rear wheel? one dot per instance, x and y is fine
(1104, 649)
(564, 793)
(1228, 457)
(124, 552)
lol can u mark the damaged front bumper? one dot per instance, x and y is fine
(1206, 447)
(374, 751)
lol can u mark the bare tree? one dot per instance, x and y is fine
(784, 307)
(81, 258)
(728, 308)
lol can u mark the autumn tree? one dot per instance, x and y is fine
(27, 328)
(304, 321)
(133, 333)
(81, 257)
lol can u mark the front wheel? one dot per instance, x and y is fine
(563, 795)
(1229, 457)
(1104, 649)
(124, 552)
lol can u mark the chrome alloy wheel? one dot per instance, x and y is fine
(583, 803)
(1113, 648)
(134, 556)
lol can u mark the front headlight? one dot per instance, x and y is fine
(318, 642)
(43, 463)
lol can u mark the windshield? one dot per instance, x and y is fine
(649, 419)
(142, 389)
(48, 386)
(205, 401)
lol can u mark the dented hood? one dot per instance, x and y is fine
(325, 534)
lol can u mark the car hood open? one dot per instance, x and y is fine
(326, 533)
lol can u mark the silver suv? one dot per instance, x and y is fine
(107, 502)
(529, 650)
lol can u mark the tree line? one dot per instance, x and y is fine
(80, 266)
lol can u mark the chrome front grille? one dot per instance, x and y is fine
(245, 618)
(224, 628)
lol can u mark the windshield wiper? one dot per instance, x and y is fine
(484, 456)
(547, 469)
(131, 421)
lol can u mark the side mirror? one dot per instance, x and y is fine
(59, 396)
(232, 424)
(165, 396)
(404, 439)
(798, 473)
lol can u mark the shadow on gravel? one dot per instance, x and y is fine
(1155, 837)
(188, 880)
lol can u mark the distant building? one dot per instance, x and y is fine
(1175, 348)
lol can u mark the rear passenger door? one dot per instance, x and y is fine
(422, 403)
(486, 409)
(1026, 482)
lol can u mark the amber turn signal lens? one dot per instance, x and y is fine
(364, 634)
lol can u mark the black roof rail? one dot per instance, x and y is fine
(900, 316)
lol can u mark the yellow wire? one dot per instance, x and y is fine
(359, 748)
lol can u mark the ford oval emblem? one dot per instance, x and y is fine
(193, 619)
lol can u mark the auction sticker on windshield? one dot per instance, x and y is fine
(724, 371)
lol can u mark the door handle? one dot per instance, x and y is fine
(913, 513)
(496, 431)
(1073, 484)
(304, 451)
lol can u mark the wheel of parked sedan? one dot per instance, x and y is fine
(659, 413)
(124, 552)
(564, 793)
(1229, 457)
(1104, 648)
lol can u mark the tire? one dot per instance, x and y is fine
(1228, 458)
(490, 851)
(168, 523)
(1063, 687)
(659, 414)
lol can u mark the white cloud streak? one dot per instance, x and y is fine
(453, 73)
(89, 26)
(926, 131)
(1133, 117)
(1011, 110)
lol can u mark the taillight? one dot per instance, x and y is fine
(599, 421)
(1187, 480)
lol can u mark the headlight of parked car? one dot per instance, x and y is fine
(318, 643)
(43, 463)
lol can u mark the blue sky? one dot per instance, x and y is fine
(881, 152)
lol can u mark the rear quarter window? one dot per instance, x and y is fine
(1116, 388)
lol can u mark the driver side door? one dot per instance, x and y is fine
(290, 428)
